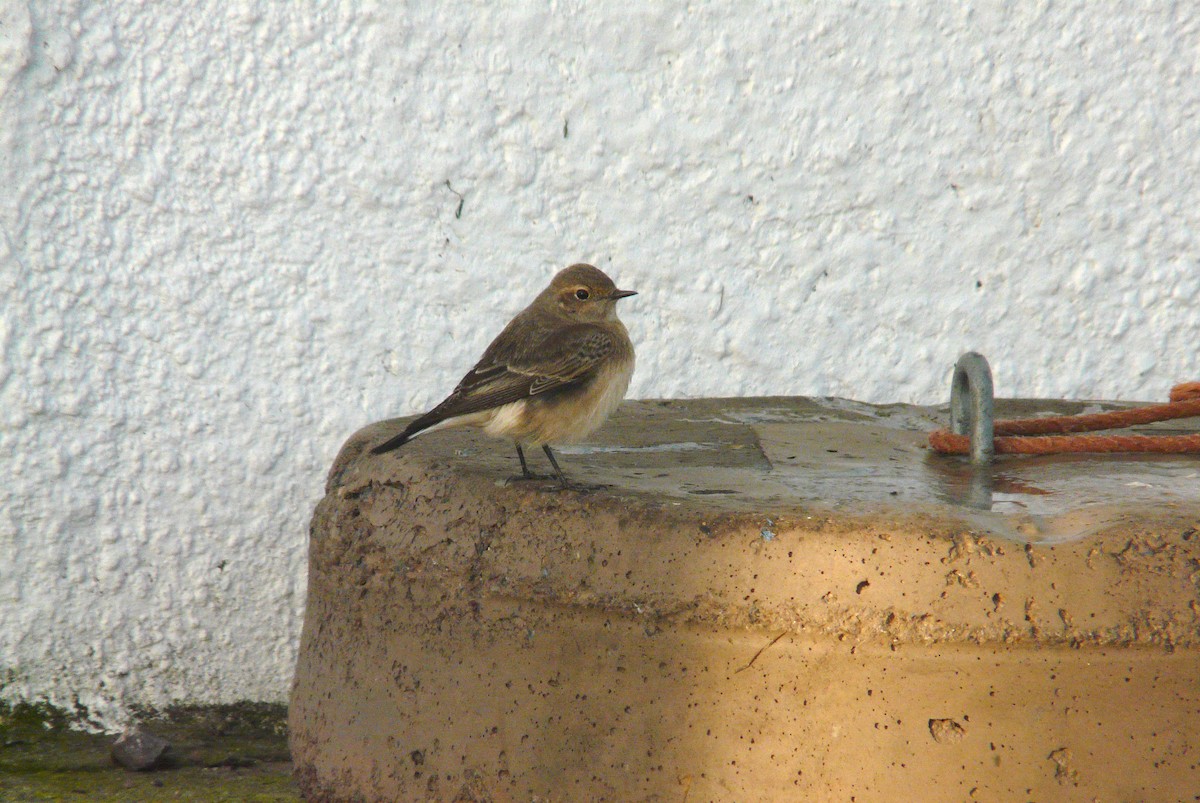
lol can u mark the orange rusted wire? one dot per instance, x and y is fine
(1033, 435)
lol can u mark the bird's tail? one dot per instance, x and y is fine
(392, 443)
(411, 431)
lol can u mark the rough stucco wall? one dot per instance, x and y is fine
(228, 241)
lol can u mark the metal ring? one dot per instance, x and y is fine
(972, 404)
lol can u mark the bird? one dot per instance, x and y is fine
(552, 376)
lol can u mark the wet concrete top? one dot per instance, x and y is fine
(789, 453)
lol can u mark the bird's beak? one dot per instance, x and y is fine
(616, 294)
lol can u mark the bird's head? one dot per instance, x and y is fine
(585, 293)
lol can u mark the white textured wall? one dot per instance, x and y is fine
(228, 241)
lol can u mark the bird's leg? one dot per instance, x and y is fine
(525, 472)
(557, 470)
(529, 475)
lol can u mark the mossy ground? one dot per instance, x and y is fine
(218, 753)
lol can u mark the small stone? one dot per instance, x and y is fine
(138, 749)
(1064, 773)
(946, 730)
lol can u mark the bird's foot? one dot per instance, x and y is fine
(530, 477)
(553, 484)
(580, 487)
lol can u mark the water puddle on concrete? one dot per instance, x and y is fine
(880, 458)
(787, 453)
(1055, 498)
(851, 456)
(658, 447)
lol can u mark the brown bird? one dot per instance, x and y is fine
(552, 376)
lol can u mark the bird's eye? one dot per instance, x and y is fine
(582, 294)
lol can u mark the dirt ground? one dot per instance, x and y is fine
(217, 753)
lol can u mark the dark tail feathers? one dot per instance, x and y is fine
(392, 443)
(411, 431)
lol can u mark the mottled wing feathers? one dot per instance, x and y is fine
(569, 360)
(569, 356)
(515, 368)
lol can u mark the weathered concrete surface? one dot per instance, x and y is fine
(772, 599)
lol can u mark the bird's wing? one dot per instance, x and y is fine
(515, 367)
(505, 375)
(568, 360)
